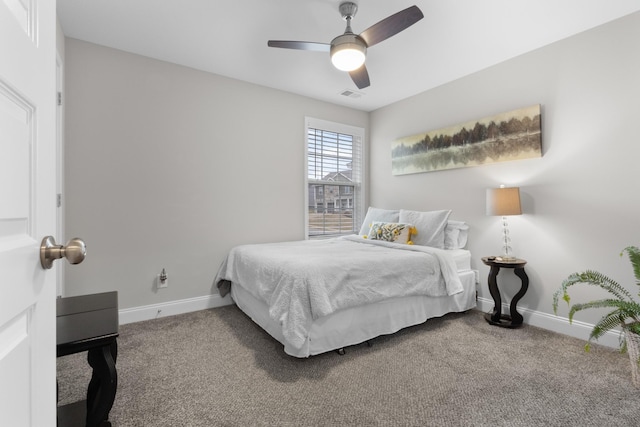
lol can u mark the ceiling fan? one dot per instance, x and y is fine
(348, 51)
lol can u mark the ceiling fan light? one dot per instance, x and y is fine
(348, 52)
(348, 59)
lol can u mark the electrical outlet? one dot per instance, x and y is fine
(160, 283)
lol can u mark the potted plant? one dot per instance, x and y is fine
(625, 310)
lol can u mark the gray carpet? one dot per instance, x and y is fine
(217, 368)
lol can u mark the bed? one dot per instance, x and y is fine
(315, 296)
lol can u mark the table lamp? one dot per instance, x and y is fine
(503, 202)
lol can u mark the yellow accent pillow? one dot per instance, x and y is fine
(391, 232)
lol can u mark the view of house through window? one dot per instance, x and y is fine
(334, 179)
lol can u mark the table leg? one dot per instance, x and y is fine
(516, 318)
(495, 294)
(104, 381)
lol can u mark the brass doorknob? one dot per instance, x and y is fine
(75, 250)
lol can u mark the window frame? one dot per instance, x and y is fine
(358, 171)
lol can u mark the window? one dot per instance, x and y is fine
(334, 178)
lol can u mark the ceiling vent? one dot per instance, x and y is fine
(351, 93)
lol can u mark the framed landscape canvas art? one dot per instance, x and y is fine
(508, 136)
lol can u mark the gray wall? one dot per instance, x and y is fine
(580, 201)
(169, 167)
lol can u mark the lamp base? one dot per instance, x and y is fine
(507, 253)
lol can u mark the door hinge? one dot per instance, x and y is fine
(59, 98)
(59, 200)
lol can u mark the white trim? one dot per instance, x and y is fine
(171, 308)
(557, 324)
(539, 319)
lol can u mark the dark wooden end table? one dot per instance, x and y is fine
(514, 319)
(90, 323)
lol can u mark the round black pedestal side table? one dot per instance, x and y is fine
(514, 319)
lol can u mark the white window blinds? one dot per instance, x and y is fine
(334, 164)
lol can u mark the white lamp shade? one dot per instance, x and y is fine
(348, 52)
(503, 201)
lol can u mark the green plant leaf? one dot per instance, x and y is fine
(634, 327)
(634, 256)
(607, 323)
(594, 278)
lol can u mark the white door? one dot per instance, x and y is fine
(27, 212)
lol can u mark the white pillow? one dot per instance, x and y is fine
(430, 226)
(455, 234)
(377, 214)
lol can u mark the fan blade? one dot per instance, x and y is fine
(360, 77)
(391, 25)
(287, 44)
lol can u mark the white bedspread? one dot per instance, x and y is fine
(304, 280)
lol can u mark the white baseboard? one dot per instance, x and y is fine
(557, 324)
(553, 323)
(171, 308)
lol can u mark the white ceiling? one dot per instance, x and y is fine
(229, 38)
